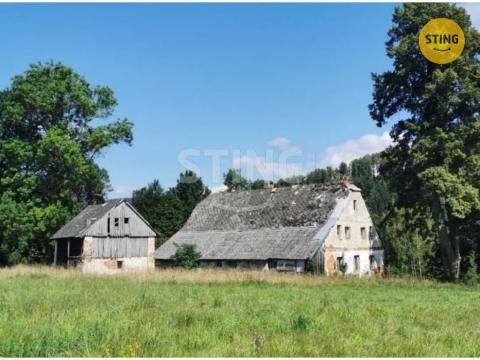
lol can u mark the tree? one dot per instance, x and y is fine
(48, 146)
(435, 158)
(186, 256)
(167, 211)
(233, 180)
(190, 190)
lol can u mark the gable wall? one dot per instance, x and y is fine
(136, 227)
(335, 246)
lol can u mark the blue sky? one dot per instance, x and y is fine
(246, 80)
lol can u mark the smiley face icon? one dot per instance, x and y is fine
(441, 41)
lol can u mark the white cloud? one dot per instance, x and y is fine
(353, 149)
(121, 191)
(283, 143)
(474, 11)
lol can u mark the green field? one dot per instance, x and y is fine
(45, 312)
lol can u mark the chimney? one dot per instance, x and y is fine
(344, 182)
(269, 185)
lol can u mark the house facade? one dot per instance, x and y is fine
(322, 228)
(106, 238)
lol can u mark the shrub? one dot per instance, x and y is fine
(186, 256)
(471, 275)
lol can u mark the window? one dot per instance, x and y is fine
(373, 263)
(119, 264)
(363, 233)
(347, 232)
(371, 233)
(340, 264)
(116, 222)
(108, 225)
(356, 263)
(339, 232)
(354, 204)
(126, 220)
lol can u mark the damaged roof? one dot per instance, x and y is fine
(77, 227)
(282, 223)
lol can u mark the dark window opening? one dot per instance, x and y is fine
(363, 232)
(119, 264)
(347, 232)
(108, 225)
(373, 263)
(339, 232)
(340, 263)
(354, 204)
(356, 262)
(126, 220)
(116, 222)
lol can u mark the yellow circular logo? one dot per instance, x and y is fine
(441, 40)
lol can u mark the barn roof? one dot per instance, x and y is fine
(258, 224)
(77, 227)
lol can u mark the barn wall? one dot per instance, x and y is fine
(135, 227)
(119, 247)
(110, 264)
(336, 246)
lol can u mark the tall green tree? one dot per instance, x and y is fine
(435, 159)
(167, 211)
(48, 146)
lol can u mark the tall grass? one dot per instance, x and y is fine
(51, 312)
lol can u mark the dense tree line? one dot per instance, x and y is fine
(167, 211)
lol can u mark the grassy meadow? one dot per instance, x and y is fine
(47, 312)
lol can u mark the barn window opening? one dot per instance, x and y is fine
(363, 232)
(347, 232)
(339, 232)
(119, 264)
(356, 262)
(108, 225)
(116, 222)
(354, 204)
(126, 220)
(373, 264)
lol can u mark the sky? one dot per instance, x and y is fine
(273, 89)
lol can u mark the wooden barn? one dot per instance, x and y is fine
(106, 238)
(285, 229)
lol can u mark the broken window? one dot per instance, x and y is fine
(347, 232)
(340, 264)
(116, 222)
(354, 204)
(356, 263)
(339, 232)
(126, 220)
(363, 233)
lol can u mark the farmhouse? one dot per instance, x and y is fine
(326, 228)
(107, 238)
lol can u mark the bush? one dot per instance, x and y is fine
(186, 256)
(471, 275)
